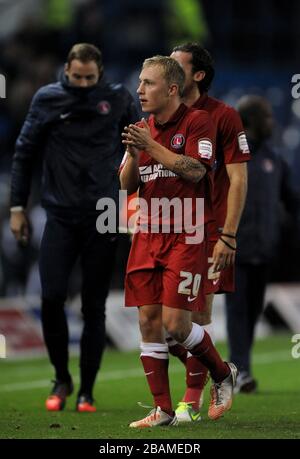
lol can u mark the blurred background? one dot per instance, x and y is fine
(256, 50)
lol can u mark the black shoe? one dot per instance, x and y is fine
(249, 387)
(84, 404)
(245, 384)
(57, 399)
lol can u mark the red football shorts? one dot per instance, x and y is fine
(219, 282)
(163, 269)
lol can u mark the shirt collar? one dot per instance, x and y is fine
(78, 90)
(174, 118)
(201, 101)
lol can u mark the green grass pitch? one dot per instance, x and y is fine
(272, 413)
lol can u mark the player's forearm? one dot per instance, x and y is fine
(235, 203)
(186, 167)
(130, 176)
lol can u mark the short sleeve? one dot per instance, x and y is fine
(232, 138)
(201, 138)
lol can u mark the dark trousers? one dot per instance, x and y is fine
(243, 308)
(67, 237)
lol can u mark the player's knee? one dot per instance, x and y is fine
(203, 318)
(52, 313)
(93, 312)
(149, 323)
(175, 329)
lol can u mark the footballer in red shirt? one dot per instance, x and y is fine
(229, 193)
(191, 133)
(167, 159)
(232, 153)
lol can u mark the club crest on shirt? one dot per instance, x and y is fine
(103, 107)
(177, 141)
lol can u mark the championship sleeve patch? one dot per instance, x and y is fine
(243, 144)
(205, 148)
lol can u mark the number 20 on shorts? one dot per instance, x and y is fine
(190, 284)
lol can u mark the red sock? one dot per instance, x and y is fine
(179, 351)
(196, 374)
(208, 355)
(156, 371)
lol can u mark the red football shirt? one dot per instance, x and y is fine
(188, 132)
(231, 147)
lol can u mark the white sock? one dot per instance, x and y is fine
(209, 328)
(155, 350)
(195, 337)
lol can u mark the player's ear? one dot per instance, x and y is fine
(66, 68)
(199, 75)
(173, 89)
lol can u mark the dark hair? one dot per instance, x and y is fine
(172, 71)
(201, 60)
(250, 107)
(85, 52)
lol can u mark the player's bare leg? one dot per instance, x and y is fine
(204, 317)
(155, 360)
(177, 323)
(196, 373)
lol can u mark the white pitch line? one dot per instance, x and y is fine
(262, 359)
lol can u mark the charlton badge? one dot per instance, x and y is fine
(104, 107)
(177, 141)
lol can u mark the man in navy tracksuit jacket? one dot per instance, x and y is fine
(76, 125)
